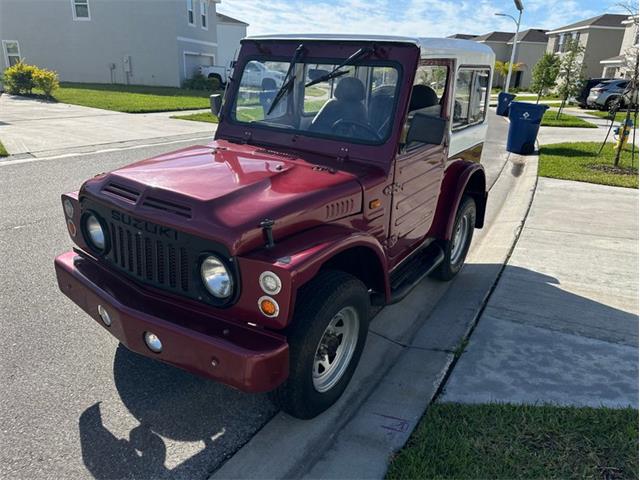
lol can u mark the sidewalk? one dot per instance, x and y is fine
(36, 127)
(562, 324)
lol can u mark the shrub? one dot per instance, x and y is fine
(21, 79)
(18, 79)
(200, 82)
(46, 80)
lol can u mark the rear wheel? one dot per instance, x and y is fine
(455, 249)
(326, 339)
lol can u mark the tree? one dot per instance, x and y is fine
(543, 76)
(502, 69)
(570, 74)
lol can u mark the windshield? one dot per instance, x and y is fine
(354, 102)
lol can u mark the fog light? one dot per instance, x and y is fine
(268, 306)
(68, 207)
(153, 342)
(104, 315)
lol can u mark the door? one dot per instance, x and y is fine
(419, 168)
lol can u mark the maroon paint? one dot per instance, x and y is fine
(249, 359)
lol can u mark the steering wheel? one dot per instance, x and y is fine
(348, 128)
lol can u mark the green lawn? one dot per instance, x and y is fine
(3, 151)
(620, 116)
(131, 98)
(532, 98)
(198, 117)
(565, 120)
(579, 161)
(500, 441)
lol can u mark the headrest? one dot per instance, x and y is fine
(269, 84)
(422, 96)
(349, 89)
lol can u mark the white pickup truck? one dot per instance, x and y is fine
(254, 74)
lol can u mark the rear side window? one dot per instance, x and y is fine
(471, 94)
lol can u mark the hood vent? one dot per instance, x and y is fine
(121, 192)
(339, 209)
(170, 207)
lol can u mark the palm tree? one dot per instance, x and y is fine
(502, 69)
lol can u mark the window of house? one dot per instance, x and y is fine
(80, 9)
(11, 52)
(470, 102)
(204, 12)
(190, 13)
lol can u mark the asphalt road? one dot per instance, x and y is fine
(75, 404)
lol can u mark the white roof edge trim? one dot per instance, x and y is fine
(584, 27)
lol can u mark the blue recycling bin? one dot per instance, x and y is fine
(525, 121)
(504, 100)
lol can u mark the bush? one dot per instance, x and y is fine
(21, 79)
(18, 79)
(46, 80)
(200, 82)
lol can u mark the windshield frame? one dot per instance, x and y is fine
(304, 62)
(323, 150)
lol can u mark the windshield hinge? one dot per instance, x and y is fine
(343, 154)
(391, 189)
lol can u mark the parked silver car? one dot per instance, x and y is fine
(604, 94)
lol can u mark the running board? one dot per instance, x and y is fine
(409, 274)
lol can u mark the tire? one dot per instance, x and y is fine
(454, 252)
(311, 388)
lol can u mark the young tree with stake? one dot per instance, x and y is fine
(544, 74)
(570, 78)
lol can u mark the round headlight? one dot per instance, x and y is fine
(270, 283)
(216, 278)
(95, 232)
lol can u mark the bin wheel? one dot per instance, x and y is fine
(528, 148)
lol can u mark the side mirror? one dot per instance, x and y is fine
(216, 103)
(426, 129)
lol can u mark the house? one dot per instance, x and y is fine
(622, 64)
(230, 32)
(463, 36)
(112, 41)
(600, 36)
(532, 45)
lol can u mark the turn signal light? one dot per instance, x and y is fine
(268, 306)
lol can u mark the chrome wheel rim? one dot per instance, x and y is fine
(459, 239)
(335, 350)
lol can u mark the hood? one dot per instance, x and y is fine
(224, 190)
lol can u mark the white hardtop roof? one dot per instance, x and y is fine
(467, 52)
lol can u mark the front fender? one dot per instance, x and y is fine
(302, 256)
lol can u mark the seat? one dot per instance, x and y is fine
(422, 96)
(381, 108)
(347, 104)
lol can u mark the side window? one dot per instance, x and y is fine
(470, 102)
(426, 96)
(80, 9)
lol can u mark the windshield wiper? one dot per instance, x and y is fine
(288, 80)
(336, 72)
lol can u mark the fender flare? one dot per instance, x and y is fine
(458, 176)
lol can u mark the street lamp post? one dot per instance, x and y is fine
(520, 8)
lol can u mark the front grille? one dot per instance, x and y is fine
(163, 263)
(159, 256)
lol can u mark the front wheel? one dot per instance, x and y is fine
(456, 249)
(326, 339)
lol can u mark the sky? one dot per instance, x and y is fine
(426, 18)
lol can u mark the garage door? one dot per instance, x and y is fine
(193, 60)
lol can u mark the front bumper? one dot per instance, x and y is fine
(247, 358)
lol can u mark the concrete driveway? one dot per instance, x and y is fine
(41, 128)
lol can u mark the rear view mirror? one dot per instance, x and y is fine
(426, 129)
(216, 103)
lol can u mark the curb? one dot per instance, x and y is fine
(385, 400)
